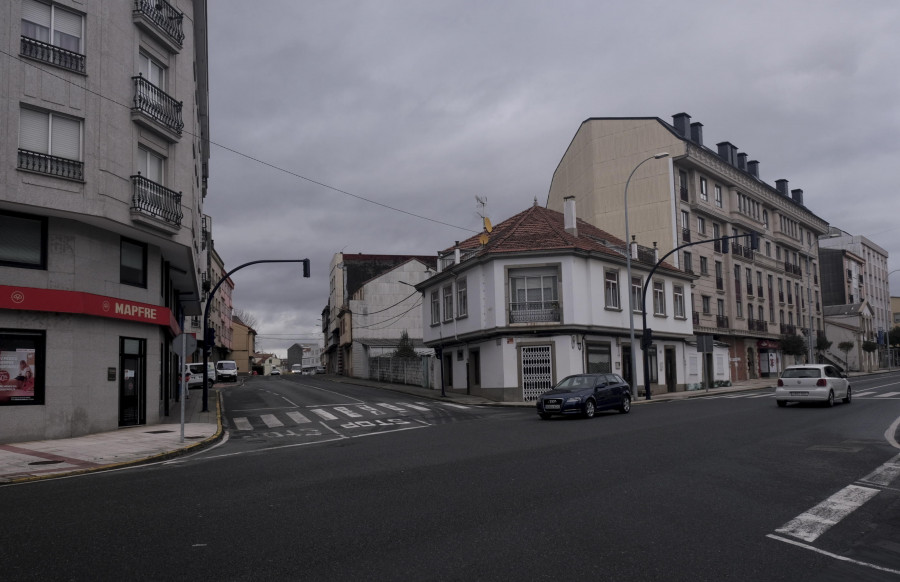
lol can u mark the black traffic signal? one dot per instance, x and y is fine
(647, 339)
(306, 268)
(725, 244)
(209, 340)
(754, 241)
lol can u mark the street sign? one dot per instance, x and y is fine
(190, 344)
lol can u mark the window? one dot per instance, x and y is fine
(435, 308)
(768, 249)
(462, 298)
(704, 194)
(637, 289)
(50, 133)
(766, 218)
(23, 240)
(23, 355)
(685, 219)
(678, 292)
(533, 296)
(720, 307)
(688, 263)
(659, 298)
(448, 302)
(133, 263)
(740, 309)
(706, 302)
(718, 190)
(599, 358)
(701, 225)
(761, 314)
(704, 266)
(612, 290)
(152, 70)
(151, 165)
(52, 25)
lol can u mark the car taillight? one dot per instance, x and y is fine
(780, 383)
(821, 383)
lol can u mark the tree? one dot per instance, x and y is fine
(405, 347)
(793, 345)
(822, 343)
(846, 347)
(869, 347)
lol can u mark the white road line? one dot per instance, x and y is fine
(414, 407)
(271, 421)
(885, 474)
(864, 393)
(835, 556)
(347, 411)
(371, 410)
(453, 405)
(391, 407)
(886, 395)
(768, 395)
(297, 417)
(242, 423)
(324, 414)
(808, 526)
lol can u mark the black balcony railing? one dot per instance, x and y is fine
(759, 291)
(737, 249)
(722, 321)
(686, 234)
(157, 104)
(787, 329)
(51, 165)
(684, 193)
(53, 55)
(781, 296)
(757, 325)
(164, 15)
(156, 200)
(749, 289)
(790, 299)
(534, 312)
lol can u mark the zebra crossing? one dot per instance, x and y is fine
(752, 395)
(342, 413)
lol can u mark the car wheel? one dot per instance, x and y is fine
(544, 415)
(626, 405)
(830, 402)
(847, 397)
(589, 408)
(781, 403)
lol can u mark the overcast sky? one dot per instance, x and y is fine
(350, 109)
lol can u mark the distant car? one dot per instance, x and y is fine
(320, 369)
(275, 372)
(585, 394)
(196, 372)
(226, 370)
(812, 383)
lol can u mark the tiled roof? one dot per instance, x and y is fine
(542, 229)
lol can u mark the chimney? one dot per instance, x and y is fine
(733, 155)
(753, 168)
(697, 133)
(797, 195)
(727, 152)
(682, 122)
(782, 186)
(569, 217)
(742, 161)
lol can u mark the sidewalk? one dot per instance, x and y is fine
(37, 460)
(32, 461)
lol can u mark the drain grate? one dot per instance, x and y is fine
(159, 431)
(45, 463)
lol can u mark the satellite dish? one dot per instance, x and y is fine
(483, 239)
(487, 224)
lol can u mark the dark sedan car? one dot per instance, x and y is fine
(585, 394)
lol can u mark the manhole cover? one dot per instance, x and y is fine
(45, 462)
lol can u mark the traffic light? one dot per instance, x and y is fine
(209, 340)
(306, 268)
(725, 244)
(754, 240)
(647, 339)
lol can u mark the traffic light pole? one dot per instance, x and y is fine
(647, 334)
(209, 335)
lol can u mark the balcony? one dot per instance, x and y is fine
(534, 312)
(162, 21)
(52, 55)
(781, 296)
(793, 269)
(717, 245)
(749, 289)
(51, 165)
(788, 329)
(759, 292)
(686, 234)
(790, 299)
(156, 110)
(155, 205)
(722, 321)
(757, 325)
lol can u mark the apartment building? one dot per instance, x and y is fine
(105, 149)
(743, 297)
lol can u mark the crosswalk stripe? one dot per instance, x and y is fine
(453, 405)
(324, 414)
(271, 420)
(348, 412)
(297, 417)
(413, 406)
(886, 394)
(371, 410)
(242, 424)
(864, 393)
(391, 407)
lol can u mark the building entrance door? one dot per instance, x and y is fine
(671, 373)
(132, 382)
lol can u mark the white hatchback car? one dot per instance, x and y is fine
(812, 383)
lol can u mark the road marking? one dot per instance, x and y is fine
(864, 393)
(835, 556)
(242, 424)
(348, 412)
(886, 394)
(371, 410)
(271, 421)
(885, 474)
(391, 407)
(413, 406)
(809, 525)
(297, 417)
(453, 405)
(324, 414)
(769, 395)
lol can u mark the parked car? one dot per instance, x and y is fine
(812, 383)
(585, 394)
(275, 372)
(320, 369)
(226, 370)
(196, 374)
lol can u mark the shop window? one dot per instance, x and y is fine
(22, 364)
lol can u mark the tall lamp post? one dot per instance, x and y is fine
(658, 156)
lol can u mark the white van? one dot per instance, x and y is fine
(196, 374)
(226, 370)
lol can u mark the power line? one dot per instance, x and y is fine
(249, 157)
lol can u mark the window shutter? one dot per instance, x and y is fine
(34, 131)
(66, 138)
(36, 12)
(68, 23)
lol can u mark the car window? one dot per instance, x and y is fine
(801, 373)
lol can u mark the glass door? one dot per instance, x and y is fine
(132, 382)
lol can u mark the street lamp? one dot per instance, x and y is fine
(658, 156)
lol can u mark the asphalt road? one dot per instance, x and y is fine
(702, 489)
